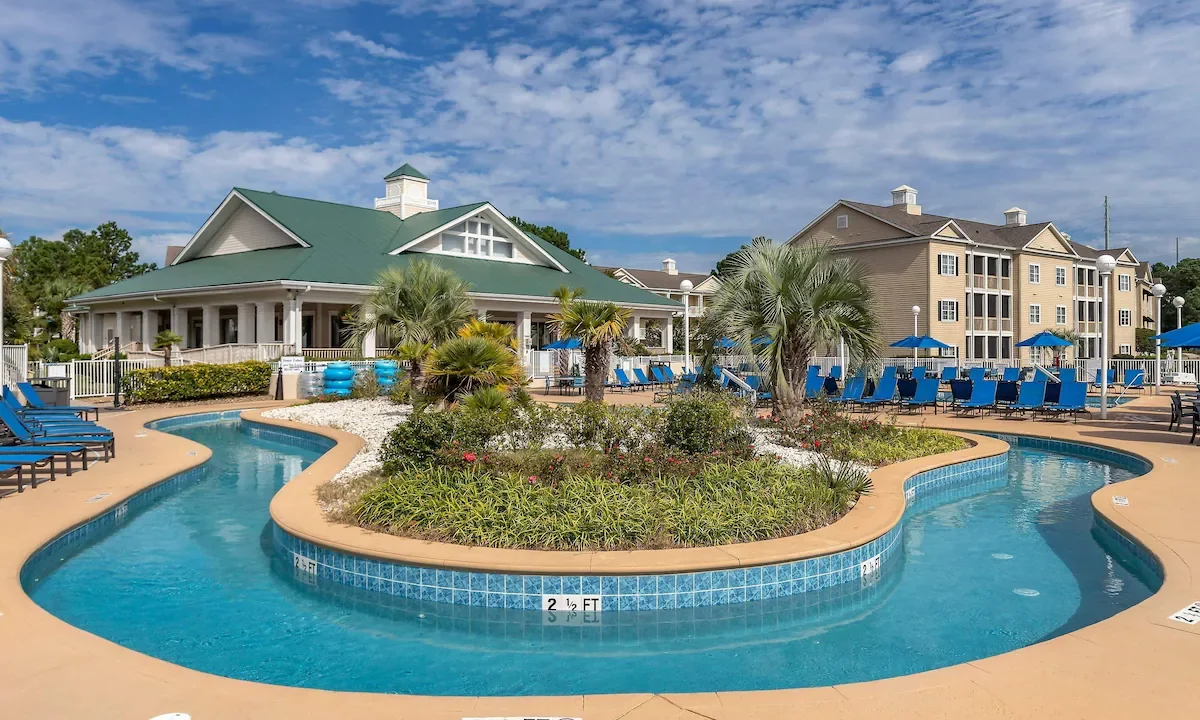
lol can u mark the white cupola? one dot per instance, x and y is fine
(407, 193)
(905, 197)
(1014, 216)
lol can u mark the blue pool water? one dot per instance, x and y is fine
(192, 579)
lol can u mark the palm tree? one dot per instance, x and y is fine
(598, 325)
(164, 341)
(800, 298)
(480, 327)
(57, 291)
(412, 309)
(463, 364)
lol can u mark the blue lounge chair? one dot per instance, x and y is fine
(623, 380)
(813, 382)
(1012, 374)
(925, 396)
(1112, 378)
(670, 374)
(1043, 375)
(52, 414)
(960, 391)
(918, 373)
(98, 439)
(659, 376)
(835, 372)
(33, 401)
(852, 392)
(983, 397)
(1006, 392)
(948, 374)
(976, 374)
(885, 391)
(640, 376)
(1066, 374)
(1072, 400)
(760, 391)
(1031, 398)
(69, 454)
(1135, 379)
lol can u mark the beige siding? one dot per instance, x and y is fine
(899, 276)
(246, 230)
(949, 232)
(1047, 241)
(1046, 294)
(947, 287)
(862, 228)
(1124, 301)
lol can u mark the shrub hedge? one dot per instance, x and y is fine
(196, 382)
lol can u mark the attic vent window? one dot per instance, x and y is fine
(843, 222)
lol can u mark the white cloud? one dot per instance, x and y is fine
(914, 61)
(371, 47)
(40, 40)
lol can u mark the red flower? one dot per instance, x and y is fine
(469, 456)
(533, 478)
(648, 459)
(817, 444)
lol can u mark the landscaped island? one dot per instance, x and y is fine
(500, 473)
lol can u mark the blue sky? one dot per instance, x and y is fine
(645, 129)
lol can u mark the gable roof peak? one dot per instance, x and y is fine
(407, 171)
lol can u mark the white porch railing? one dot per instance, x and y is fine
(232, 353)
(94, 378)
(332, 353)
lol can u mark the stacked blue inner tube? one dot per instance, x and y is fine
(339, 379)
(385, 374)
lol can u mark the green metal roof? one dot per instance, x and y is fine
(406, 170)
(349, 245)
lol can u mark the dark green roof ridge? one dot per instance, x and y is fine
(406, 170)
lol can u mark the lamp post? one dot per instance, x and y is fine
(1158, 291)
(1105, 264)
(916, 313)
(5, 252)
(686, 287)
(1178, 303)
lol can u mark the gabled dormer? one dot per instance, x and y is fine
(480, 232)
(236, 226)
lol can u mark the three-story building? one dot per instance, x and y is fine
(982, 287)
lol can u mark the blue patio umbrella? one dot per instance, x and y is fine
(920, 342)
(1044, 339)
(1185, 334)
(567, 344)
(1186, 337)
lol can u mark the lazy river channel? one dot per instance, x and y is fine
(191, 576)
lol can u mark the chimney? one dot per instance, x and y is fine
(669, 267)
(1014, 216)
(905, 198)
(173, 252)
(407, 193)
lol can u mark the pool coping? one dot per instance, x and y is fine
(295, 510)
(1133, 664)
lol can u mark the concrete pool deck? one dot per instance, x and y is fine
(1135, 664)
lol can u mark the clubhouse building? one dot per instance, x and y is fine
(280, 272)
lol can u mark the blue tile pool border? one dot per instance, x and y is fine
(618, 593)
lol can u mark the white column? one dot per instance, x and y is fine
(149, 327)
(210, 323)
(525, 335)
(635, 326)
(245, 323)
(98, 339)
(83, 324)
(669, 333)
(121, 327)
(179, 324)
(368, 344)
(292, 315)
(265, 321)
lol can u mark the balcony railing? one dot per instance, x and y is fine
(396, 201)
(980, 324)
(990, 282)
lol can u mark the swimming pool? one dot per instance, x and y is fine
(192, 577)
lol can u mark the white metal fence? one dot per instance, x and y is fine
(14, 364)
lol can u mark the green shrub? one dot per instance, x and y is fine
(474, 503)
(196, 382)
(609, 428)
(701, 422)
(485, 398)
(366, 385)
(822, 428)
(417, 440)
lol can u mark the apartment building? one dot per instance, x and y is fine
(982, 288)
(665, 283)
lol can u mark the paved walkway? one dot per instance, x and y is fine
(1134, 665)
